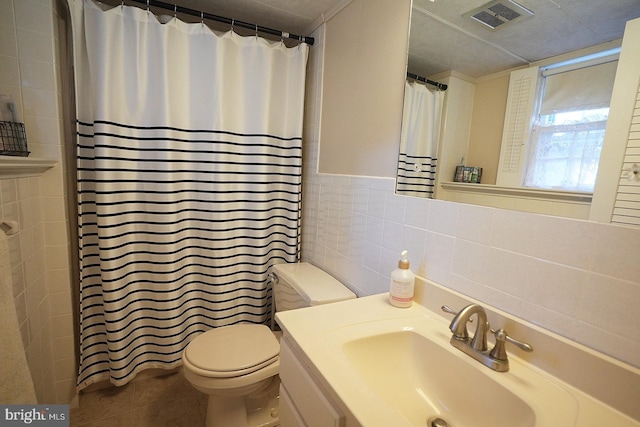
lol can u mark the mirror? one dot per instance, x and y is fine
(448, 45)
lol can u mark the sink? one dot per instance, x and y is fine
(412, 369)
(422, 381)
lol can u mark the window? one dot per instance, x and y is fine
(566, 150)
(555, 124)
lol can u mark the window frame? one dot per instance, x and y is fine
(526, 89)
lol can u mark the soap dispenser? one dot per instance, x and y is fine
(402, 284)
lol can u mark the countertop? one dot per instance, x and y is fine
(309, 328)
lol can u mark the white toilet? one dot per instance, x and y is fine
(238, 365)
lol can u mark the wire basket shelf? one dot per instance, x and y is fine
(13, 139)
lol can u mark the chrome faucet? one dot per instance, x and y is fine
(459, 327)
(476, 347)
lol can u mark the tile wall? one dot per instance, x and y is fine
(577, 278)
(40, 251)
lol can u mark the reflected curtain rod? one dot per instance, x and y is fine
(439, 85)
(233, 22)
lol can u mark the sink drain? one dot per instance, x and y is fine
(437, 422)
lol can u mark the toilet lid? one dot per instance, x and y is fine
(233, 350)
(315, 286)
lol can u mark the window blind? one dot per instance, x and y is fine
(579, 89)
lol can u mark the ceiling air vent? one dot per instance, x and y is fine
(498, 14)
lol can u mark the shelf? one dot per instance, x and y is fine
(527, 192)
(20, 167)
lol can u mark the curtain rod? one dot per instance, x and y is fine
(204, 15)
(439, 85)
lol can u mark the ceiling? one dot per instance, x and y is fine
(442, 39)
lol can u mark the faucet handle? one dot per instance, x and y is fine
(449, 310)
(499, 352)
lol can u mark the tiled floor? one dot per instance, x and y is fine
(167, 401)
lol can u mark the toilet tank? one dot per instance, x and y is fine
(302, 284)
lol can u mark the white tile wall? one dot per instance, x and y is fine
(576, 278)
(40, 251)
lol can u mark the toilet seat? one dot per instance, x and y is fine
(232, 351)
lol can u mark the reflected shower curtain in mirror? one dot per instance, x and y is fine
(421, 119)
(189, 181)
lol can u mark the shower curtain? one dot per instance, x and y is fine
(421, 121)
(189, 179)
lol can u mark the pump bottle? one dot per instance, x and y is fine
(402, 284)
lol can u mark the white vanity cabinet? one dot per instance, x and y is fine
(303, 401)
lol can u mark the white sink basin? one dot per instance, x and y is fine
(409, 366)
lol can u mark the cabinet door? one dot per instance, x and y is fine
(303, 395)
(289, 416)
(616, 197)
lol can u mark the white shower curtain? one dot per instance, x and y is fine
(421, 121)
(189, 179)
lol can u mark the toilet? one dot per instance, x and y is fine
(237, 366)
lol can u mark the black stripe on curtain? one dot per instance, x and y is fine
(178, 228)
(416, 175)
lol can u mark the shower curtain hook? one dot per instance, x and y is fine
(202, 17)
(147, 5)
(233, 21)
(256, 30)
